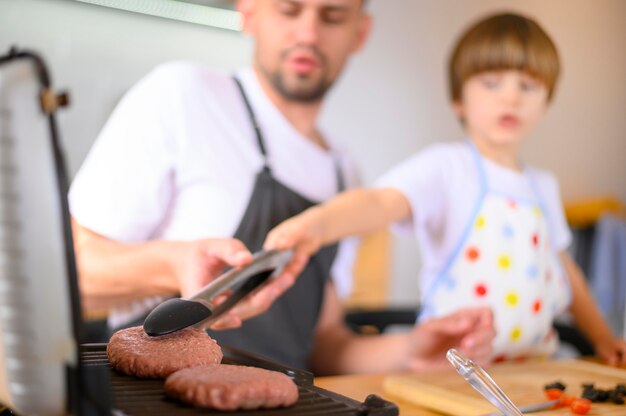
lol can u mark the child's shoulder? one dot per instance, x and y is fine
(545, 179)
(542, 175)
(449, 157)
(445, 152)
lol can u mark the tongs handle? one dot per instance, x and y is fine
(271, 261)
(200, 309)
(482, 382)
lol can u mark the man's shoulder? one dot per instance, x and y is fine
(185, 72)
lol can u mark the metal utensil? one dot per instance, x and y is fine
(531, 408)
(200, 310)
(482, 382)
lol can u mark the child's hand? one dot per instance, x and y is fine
(612, 351)
(470, 330)
(302, 233)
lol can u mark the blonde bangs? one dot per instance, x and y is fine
(504, 42)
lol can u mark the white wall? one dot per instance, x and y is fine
(392, 99)
(97, 53)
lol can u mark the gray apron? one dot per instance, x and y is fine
(285, 332)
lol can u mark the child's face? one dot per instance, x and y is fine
(500, 107)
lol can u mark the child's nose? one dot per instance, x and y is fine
(511, 93)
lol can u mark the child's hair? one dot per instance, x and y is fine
(501, 42)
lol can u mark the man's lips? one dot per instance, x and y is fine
(303, 64)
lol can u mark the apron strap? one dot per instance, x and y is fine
(341, 184)
(482, 176)
(255, 123)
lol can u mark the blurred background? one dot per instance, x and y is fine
(391, 101)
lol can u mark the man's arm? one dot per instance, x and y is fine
(337, 350)
(113, 273)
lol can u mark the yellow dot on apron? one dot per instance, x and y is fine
(516, 333)
(504, 261)
(480, 222)
(537, 211)
(511, 299)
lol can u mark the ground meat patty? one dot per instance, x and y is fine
(131, 351)
(231, 387)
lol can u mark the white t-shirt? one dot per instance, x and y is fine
(178, 158)
(442, 186)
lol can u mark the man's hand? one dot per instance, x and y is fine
(469, 330)
(199, 262)
(196, 263)
(261, 299)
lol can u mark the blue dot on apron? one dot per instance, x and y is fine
(532, 271)
(449, 282)
(507, 231)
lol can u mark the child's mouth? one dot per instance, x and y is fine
(509, 121)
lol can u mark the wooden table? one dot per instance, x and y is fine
(358, 387)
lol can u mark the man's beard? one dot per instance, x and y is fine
(302, 92)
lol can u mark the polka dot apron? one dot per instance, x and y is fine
(504, 260)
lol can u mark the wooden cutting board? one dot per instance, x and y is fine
(448, 393)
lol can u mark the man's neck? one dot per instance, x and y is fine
(302, 116)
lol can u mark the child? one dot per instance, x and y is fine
(491, 229)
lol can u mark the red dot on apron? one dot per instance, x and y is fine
(472, 253)
(535, 239)
(512, 203)
(537, 306)
(481, 290)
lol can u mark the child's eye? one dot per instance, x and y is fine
(529, 85)
(490, 81)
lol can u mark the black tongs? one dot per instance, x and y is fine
(199, 309)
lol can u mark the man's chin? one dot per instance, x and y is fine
(303, 91)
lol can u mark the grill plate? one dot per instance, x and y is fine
(137, 397)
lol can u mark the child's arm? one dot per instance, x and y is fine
(589, 319)
(353, 212)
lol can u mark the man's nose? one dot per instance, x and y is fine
(308, 28)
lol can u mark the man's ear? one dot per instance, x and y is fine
(247, 10)
(365, 27)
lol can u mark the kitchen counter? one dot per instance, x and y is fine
(533, 374)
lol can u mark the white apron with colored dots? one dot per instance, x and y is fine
(504, 260)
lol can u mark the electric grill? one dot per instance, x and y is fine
(141, 397)
(44, 370)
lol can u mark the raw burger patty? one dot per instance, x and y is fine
(231, 387)
(131, 351)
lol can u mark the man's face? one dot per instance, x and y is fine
(302, 45)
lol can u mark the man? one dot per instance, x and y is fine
(189, 156)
